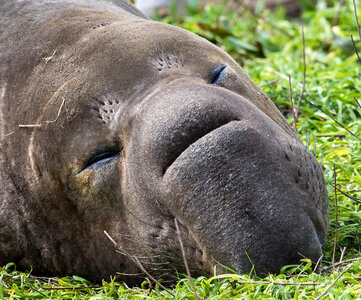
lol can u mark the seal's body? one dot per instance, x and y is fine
(110, 121)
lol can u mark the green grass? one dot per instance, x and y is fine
(269, 48)
(296, 282)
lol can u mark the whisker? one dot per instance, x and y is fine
(154, 263)
(128, 274)
(154, 269)
(144, 243)
(145, 249)
(160, 256)
(138, 237)
(163, 275)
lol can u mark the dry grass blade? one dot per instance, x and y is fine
(71, 288)
(349, 196)
(185, 260)
(337, 15)
(330, 135)
(336, 217)
(243, 6)
(59, 111)
(279, 283)
(341, 257)
(269, 83)
(296, 108)
(356, 51)
(332, 118)
(342, 263)
(358, 30)
(318, 263)
(304, 77)
(305, 257)
(36, 290)
(356, 18)
(292, 104)
(284, 76)
(46, 122)
(333, 282)
(358, 103)
(29, 125)
(137, 262)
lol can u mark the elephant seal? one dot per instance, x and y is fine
(113, 122)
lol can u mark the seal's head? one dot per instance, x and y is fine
(130, 124)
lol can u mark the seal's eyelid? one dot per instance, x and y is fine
(218, 74)
(100, 159)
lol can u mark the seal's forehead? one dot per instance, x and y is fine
(133, 58)
(140, 51)
(97, 53)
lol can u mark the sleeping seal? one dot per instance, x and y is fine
(111, 121)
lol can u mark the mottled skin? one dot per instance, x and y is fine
(130, 124)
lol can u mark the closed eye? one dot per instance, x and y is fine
(218, 74)
(99, 159)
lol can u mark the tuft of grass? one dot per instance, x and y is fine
(269, 48)
(294, 282)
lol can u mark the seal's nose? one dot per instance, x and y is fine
(186, 115)
(222, 167)
(243, 200)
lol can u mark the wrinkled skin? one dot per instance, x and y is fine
(130, 124)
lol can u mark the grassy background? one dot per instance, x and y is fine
(269, 48)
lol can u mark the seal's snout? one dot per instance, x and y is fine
(242, 187)
(250, 206)
(188, 115)
(183, 141)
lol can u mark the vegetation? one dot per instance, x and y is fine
(270, 49)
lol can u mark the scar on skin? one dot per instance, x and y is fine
(165, 59)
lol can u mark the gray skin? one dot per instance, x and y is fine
(110, 121)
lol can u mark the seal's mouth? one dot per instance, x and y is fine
(194, 139)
